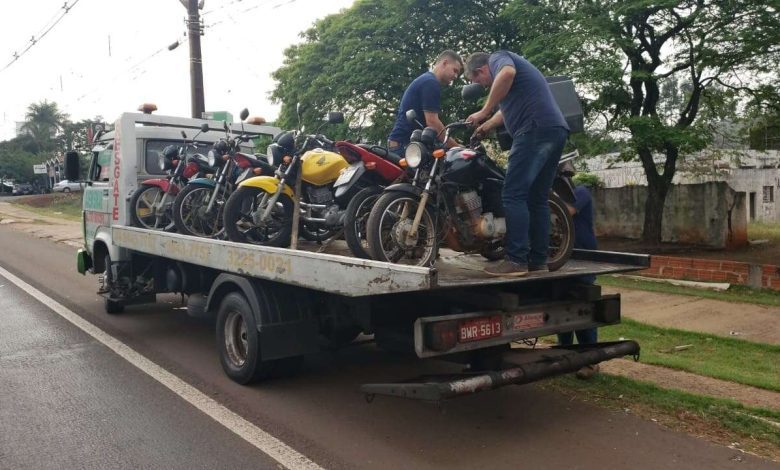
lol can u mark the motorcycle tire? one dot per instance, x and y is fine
(186, 215)
(382, 232)
(239, 225)
(141, 213)
(561, 233)
(356, 220)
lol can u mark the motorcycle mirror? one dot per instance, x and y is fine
(411, 117)
(244, 114)
(472, 92)
(335, 117)
(184, 135)
(204, 127)
(225, 126)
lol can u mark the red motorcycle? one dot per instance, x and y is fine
(371, 169)
(151, 204)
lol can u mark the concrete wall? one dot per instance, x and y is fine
(708, 214)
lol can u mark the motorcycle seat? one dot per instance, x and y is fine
(256, 160)
(391, 157)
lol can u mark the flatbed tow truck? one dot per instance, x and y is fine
(275, 305)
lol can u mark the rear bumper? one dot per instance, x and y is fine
(551, 362)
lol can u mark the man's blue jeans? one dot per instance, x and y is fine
(533, 161)
(589, 336)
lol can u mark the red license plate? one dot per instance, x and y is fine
(480, 328)
(526, 321)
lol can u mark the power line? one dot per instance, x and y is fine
(33, 40)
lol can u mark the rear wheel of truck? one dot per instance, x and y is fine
(238, 341)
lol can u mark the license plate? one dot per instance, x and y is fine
(526, 321)
(480, 328)
(346, 176)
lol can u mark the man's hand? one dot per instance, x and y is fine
(482, 131)
(478, 117)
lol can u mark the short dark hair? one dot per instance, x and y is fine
(475, 61)
(451, 55)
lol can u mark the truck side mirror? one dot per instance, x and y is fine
(72, 166)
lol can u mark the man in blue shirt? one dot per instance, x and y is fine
(585, 238)
(423, 95)
(539, 131)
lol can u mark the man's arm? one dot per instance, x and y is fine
(501, 85)
(432, 120)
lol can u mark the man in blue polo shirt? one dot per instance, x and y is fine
(539, 131)
(423, 95)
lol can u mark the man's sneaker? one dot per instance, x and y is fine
(507, 268)
(533, 268)
(587, 372)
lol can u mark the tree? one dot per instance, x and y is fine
(43, 122)
(624, 52)
(361, 60)
(15, 163)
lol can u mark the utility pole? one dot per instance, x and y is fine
(194, 30)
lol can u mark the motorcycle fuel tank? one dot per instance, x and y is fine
(462, 167)
(320, 167)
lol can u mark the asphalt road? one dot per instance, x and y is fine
(110, 414)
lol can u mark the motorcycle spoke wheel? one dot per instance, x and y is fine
(147, 211)
(388, 232)
(242, 214)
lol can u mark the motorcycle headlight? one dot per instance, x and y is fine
(414, 154)
(212, 158)
(162, 162)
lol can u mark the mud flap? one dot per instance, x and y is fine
(551, 362)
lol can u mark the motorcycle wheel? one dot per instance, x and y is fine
(561, 233)
(143, 213)
(189, 212)
(386, 232)
(240, 226)
(356, 219)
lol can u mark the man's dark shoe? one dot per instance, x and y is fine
(507, 268)
(534, 268)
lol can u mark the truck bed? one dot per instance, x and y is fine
(330, 268)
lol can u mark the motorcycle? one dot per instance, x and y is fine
(371, 169)
(455, 199)
(198, 208)
(151, 204)
(260, 210)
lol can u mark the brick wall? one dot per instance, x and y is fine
(709, 270)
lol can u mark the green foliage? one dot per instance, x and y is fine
(361, 60)
(16, 163)
(588, 179)
(43, 123)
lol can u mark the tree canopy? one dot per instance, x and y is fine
(361, 60)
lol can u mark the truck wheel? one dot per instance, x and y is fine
(111, 306)
(238, 342)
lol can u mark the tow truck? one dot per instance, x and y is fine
(273, 306)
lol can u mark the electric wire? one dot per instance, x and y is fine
(33, 41)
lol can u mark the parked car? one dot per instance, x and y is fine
(22, 189)
(66, 186)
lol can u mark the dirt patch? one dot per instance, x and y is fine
(692, 383)
(757, 254)
(47, 200)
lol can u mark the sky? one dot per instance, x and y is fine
(106, 57)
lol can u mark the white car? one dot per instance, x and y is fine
(66, 186)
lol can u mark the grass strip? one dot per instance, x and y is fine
(763, 231)
(756, 430)
(734, 360)
(740, 294)
(66, 206)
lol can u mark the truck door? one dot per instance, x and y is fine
(97, 210)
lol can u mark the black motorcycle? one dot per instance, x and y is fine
(455, 200)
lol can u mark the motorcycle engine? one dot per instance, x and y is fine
(484, 226)
(320, 195)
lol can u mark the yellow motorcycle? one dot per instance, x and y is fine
(260, 211)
